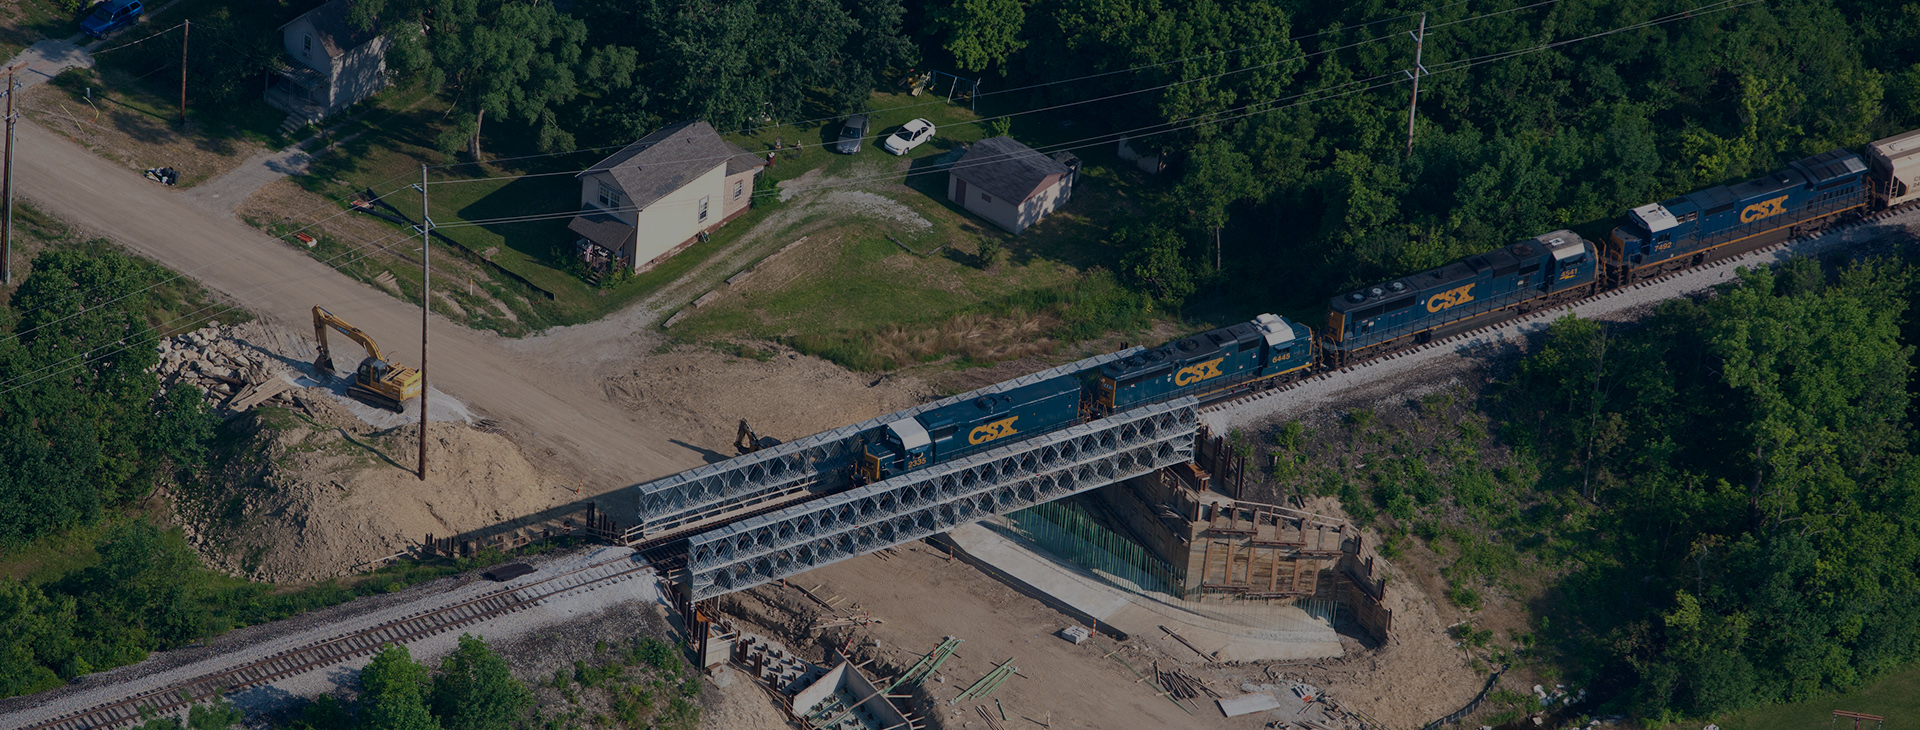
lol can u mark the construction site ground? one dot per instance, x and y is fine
(915, 596)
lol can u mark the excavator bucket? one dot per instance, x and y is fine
(324, 365)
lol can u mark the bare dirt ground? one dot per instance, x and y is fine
(336, 495)
(699, 394)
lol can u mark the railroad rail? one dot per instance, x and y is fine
(327, 652)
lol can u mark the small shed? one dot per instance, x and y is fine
(1011, 184)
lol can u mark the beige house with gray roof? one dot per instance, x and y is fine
(328, 64)
(659, 195)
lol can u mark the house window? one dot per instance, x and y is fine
(985, 198)
(609, 197)
(739, 186)
(307, 50)
(703, 209)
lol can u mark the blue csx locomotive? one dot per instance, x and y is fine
(1651, 240)
(1545, 270)
(1264, 349)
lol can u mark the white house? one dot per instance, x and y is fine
(1011, 184)
(657, 196)
(329, 64)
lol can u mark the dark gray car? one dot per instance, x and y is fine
(854, 130)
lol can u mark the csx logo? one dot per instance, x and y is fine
(991, 431)
(1450, 298)
(1763, 209)
(1197, 372)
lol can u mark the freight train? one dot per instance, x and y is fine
(1547, 270)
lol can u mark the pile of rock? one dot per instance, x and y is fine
(234, 376)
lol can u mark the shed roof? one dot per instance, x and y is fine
(337, 35)
(1004, 167)
(671, 157)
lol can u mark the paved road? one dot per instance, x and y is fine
(503, 380)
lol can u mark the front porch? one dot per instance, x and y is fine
(299, 91)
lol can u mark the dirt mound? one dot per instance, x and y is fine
(324, 500)
(701, 398)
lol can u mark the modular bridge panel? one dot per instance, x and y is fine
(721, 487)
(914, 505)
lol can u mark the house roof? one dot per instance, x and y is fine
(601, 228)
(1004, 167)
(336, 34)
(671, 157)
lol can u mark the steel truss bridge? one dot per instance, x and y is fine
(793, 507)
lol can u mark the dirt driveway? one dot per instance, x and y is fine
(547, 394)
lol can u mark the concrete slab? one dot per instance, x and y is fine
(1289, 632)
(1247, 704)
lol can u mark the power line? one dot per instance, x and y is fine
(1197, 120)
(983, 120)
(1028, 87)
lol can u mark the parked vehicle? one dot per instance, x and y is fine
(112, 15)
(851, 133)
(911, 135)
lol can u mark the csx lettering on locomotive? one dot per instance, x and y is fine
(998, 429)
(1763, 209)
(1197, 372)
(1450, 298)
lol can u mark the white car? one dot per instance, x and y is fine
(911, 135)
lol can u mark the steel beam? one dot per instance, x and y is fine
(817, 463)
(915, 505)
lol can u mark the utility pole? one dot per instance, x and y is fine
(184, 35)
(6, 229)
(1419, 45)
(426, 295)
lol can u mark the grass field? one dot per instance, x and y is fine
(1895, 697)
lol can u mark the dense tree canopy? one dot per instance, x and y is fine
(84, 427)
(1748, 465)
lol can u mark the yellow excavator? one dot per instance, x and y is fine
(377, 382)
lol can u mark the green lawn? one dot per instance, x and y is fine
(1895, 697)
(25, 22)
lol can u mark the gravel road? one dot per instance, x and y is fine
(1620, 304)
(545, 389)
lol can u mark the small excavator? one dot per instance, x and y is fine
(377, 382)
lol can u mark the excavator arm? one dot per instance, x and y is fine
(322, 320)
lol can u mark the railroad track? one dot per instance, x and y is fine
(328, 652)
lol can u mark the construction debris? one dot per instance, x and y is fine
(1181, 684)
(234, 377)
(1183, 642)
(989, 683)
(1075, 634)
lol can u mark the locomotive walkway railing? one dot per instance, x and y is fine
(914, 505)
(817, 463)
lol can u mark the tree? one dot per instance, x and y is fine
(1156, 261)
(394, 693)
(475, 691)
(513, 59)
(981, 33)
